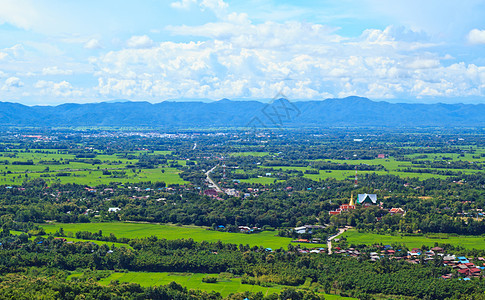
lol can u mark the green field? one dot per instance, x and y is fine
(81, 172)
(69, 239)
(390, 164)
(260, 180)
(194, 281)
(266, 239)
(469, 242)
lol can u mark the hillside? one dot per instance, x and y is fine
(350, 111)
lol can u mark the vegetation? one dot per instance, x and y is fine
(83, 211)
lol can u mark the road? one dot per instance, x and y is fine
(329, 240)
(211, 182)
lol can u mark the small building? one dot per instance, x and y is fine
(114, 209)
(398, 210)
(211, 193)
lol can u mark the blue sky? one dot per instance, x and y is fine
(58, 51)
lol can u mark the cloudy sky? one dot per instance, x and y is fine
(58, 51)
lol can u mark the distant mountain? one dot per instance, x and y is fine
(350, 111)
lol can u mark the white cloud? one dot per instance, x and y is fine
(55, 71)
(184, 4)
(20, 13)
(93, 44)
(218, 7)
(57, 89)
(142, 41)
(304, 60)
(476, 36)
(12, 83)
(421, 63)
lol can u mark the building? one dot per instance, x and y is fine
(211, 193)
(367, 199)
(398, 210)
(344, 207)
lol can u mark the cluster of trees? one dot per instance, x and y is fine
(348, 276)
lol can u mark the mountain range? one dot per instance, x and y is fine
(351, 111)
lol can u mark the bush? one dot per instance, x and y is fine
(209, 279)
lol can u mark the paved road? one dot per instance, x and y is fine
(211, 182)
(329, 240)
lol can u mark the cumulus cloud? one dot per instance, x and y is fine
(12, 83)
(476, 36)
(57, 89)
(421, 63)
(302, 60)
(93, 44)
(142, 41)
(55, 71)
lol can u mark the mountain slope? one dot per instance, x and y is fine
(350, 111)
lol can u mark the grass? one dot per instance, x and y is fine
(266, 239)
(260, 180)
(468, 242)
(82, 173)
(68, 239)
(194, 281)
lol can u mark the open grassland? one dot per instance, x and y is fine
(266, 239)
(224, 286)
(469, 242)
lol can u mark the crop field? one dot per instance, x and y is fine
(266, 239)
(469, 242)
(224, 286)
(391, 165)
(260, 180)
(55, 167)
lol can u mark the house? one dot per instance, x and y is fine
(475, 271)
(210, 193)
(437, 249)
(114, 209)
(398, 210)
(381, 156)
(367, 199)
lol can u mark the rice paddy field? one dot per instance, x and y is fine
(266, 239)
(391, 165)
(49, 163)
(468, 242)
(224, 286)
